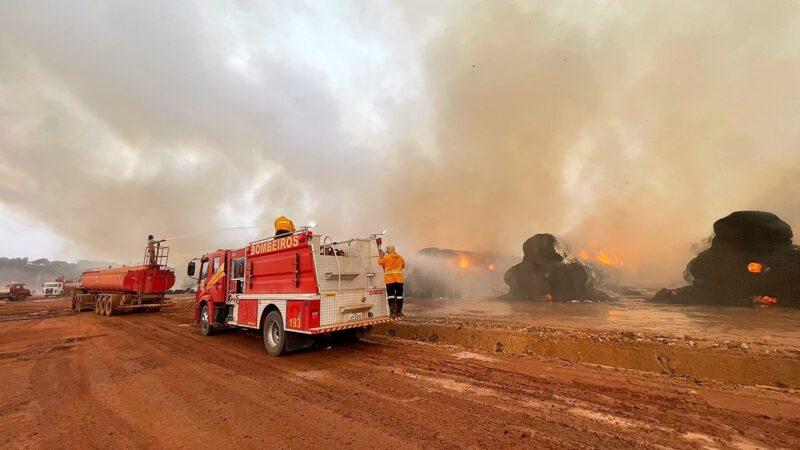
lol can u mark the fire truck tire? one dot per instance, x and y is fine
(274, 334)
(205, 322)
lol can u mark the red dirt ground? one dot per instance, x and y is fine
(151, 380)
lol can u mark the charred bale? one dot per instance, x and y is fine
(546, 273)
(751, 258)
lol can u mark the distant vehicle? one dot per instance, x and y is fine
(53, 289)
(15, 291)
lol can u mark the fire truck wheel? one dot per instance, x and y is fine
(274, 335)
(205, 322)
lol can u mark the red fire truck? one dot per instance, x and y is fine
(291, 288)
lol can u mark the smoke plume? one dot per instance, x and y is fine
(626, 126)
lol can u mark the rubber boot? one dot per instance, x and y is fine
(399, 308)
(392, 308)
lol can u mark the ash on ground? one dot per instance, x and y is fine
(547, 272)
(751, 260)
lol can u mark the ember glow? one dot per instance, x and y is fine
(492, 266)
(754, 267)
(765, 300)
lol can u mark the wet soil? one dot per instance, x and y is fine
(151, 380)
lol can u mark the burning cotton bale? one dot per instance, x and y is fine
(547, 272)
(751, 259)
(456, 274)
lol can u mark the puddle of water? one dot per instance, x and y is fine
(312, 374)
(450, 385)
(606, 418)
(697, 437)
(470, 355)
(776, 325)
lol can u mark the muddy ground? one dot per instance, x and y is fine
(151, 380)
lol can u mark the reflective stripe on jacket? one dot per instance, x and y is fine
(283, 223)
(393, 265)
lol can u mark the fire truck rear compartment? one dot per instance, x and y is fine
(350, 281)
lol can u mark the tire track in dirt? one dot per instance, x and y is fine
(143, 380)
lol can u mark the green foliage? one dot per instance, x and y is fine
(34, 273)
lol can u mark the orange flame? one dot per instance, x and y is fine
(601, 256)
(765, 300)
(607, 259)
(492, 266)
(754, 267)
(463, 263)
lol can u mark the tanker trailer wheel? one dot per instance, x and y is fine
(108, 308)
(113, 302)
(97, 304)
(274, 334)
(205, 322)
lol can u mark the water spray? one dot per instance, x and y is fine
(182, 236)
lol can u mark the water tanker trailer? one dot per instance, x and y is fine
(113, 290)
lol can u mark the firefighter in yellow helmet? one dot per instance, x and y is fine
(393, 265)
(283, 226)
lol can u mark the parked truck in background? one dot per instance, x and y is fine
(15, 291)
(53, 289)
(291, 288)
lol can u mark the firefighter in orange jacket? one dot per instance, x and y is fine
(393, 265)
(283, 226)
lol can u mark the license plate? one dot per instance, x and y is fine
(355, 316)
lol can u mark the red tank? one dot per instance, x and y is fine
(134, 279)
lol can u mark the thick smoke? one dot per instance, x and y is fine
(627, 126)
(119, 120)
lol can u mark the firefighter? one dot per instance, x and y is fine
(283, 226)
(152, 244)
(393, 265)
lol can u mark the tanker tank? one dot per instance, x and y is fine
(114, 290)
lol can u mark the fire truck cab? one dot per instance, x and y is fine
(291, 288)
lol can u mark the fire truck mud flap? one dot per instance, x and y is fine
(298, 341)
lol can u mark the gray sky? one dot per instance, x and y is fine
(622, 126)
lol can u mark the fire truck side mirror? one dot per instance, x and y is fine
(190, 269)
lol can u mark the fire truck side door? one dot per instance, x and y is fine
(215, 278)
